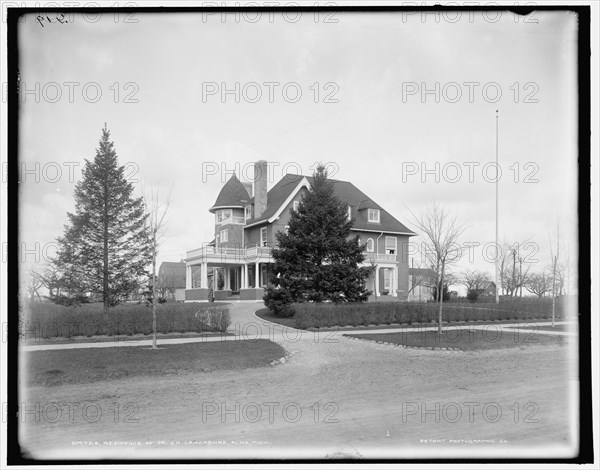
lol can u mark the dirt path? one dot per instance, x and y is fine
(333, 397)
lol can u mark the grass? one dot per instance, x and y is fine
(568, 327)
(78, 366)
(426, 325)
(322, 315)
(124, 339)
(465, 339)
(40, 321)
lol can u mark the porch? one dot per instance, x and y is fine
(230, 271)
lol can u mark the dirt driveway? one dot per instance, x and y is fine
(332, 397)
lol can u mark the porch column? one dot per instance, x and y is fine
(188, 276)
(256, 275)
(377, 280)
(204, 273)
(246, 283)
(226, 271)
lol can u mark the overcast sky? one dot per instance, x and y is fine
(366, 71)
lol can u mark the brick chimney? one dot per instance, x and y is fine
(260, 188)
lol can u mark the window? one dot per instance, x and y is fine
(224, 235)
(248, 212)
(349, 213)
(370, 245)
(374, 216)
(223, 216)
(391, 245)
(296, 205)
(387, 279)
(287, 229)
(263, 236)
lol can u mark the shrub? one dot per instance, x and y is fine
(472, 295)
(320, 315)
(279, 301)
(45, 320)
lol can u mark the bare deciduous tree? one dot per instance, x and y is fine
(538, 284)
(440, 232)
(474, 280)
(34, 284)
(157, 225)
(513, 268)
(554, 253)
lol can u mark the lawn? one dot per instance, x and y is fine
(123, 338)
(465, 339)
(48, 368)
(568, 327)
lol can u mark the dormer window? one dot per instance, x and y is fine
(374, 216)
(248, 212)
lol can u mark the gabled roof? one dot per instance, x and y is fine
(344, 191)
(232, 195)
(169, 269)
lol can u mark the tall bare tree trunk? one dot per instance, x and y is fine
(441, 294)
(154, 345)
(553, 288)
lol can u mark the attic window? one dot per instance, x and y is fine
(349, 213)
(248, 212)
(374, 216)
(296, 205)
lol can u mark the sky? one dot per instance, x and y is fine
(403, 106)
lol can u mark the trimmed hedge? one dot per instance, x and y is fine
(45, 320)
(320, 315)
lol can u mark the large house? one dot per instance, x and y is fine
(247, 217)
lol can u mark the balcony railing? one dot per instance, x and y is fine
(222, 253)
(380, 257)
(255, 253)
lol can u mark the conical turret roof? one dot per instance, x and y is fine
(232, 195)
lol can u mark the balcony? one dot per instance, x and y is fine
(221, 254)
(380, 258)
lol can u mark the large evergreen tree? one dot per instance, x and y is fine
(317, 259)
(105, 249)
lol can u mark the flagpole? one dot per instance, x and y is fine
(497, 246)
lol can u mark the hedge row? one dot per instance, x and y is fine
(44, 320)
(318, 315)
